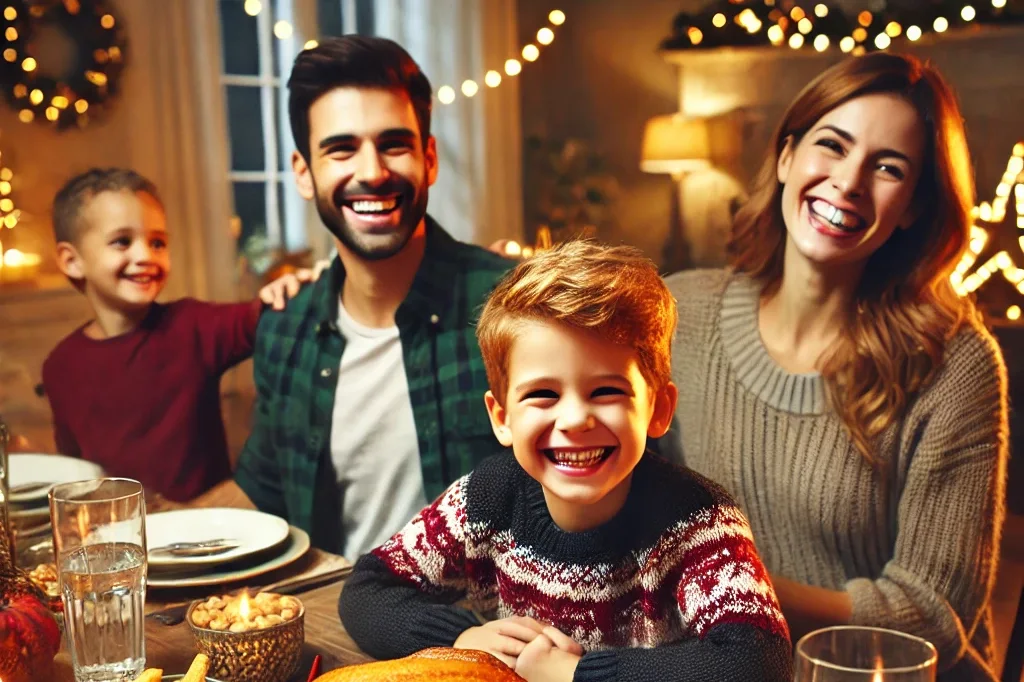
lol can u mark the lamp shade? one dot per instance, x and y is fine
(674, 143)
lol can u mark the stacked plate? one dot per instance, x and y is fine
(195, 547)
(30, 478)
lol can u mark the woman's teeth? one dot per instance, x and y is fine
(837, 217)
(580, 459)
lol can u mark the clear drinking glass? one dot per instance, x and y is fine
(863, 654)
(99, 543)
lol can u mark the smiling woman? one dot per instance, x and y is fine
(835, 383)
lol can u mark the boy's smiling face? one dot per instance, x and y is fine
(577, 415)
(122, 252)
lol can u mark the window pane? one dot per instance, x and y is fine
(364, 17)
(282, 127)
(251, 208)
(275, 42)
(291, 207)
(328, 17)
(239, 43)
(245, 124)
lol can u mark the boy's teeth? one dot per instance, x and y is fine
(578, 458)
(367, 206)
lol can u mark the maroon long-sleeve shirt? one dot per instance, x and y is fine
(146, 404)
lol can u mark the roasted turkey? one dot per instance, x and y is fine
(441, 664)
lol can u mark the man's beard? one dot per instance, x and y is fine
(413, 206)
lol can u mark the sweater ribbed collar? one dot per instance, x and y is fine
(754, 368)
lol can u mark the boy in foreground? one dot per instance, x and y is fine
(589, 559)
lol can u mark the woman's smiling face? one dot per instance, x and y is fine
(850, 181)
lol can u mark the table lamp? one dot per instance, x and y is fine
(675, 145)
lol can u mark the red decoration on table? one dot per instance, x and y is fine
(314, 672)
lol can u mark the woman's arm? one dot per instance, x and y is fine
(939, 579)
(808, 608)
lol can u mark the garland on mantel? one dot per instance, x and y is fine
(799, 24)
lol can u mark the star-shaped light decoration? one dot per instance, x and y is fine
(989, 230)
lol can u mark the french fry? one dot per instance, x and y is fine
(197, 671)
(150, 675)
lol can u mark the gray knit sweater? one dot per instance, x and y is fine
(917, 549)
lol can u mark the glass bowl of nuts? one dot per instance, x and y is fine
(249, 639)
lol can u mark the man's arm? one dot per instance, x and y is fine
(258, 478)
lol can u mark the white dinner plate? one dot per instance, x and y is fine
(297, 544)
(52, 469)
(252, 530)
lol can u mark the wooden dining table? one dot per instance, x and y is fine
(172, 648)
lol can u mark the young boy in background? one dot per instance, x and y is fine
(137, 389)
(590, 559)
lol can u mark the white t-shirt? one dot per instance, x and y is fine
(374, 446)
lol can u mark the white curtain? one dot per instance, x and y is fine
(178, 136)
(478, 194)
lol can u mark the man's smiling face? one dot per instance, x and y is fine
(368, 171)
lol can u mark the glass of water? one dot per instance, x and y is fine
(863, 654)
(99, 544)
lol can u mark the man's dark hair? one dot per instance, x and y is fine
(72, 197)
(354, 61)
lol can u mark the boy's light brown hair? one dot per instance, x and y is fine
(72, 198)
(612, 291)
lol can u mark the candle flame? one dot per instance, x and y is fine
(879, 667)
(243, 606)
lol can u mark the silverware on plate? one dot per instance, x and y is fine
(200, 548)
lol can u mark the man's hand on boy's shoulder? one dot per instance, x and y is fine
(551, 657)
(277, 293)
(507, 638)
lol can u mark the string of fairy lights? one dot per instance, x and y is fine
(819, 26)
(994, 213)
(446, 94)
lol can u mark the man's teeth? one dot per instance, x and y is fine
(578, 458)
(836, 216)
(367, 206)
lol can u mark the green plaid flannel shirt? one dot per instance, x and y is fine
(285, 467)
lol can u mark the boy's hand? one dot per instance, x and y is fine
(542, 660)
(504, 638)
(277, 293)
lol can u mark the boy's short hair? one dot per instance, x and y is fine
(79, 190)
(354, 61)
(612, 291)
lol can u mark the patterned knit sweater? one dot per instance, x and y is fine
(915, 547)
(670, 589)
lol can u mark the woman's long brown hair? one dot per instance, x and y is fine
(907, 308)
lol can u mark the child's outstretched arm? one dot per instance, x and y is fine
(400, 597)
(735, 629)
